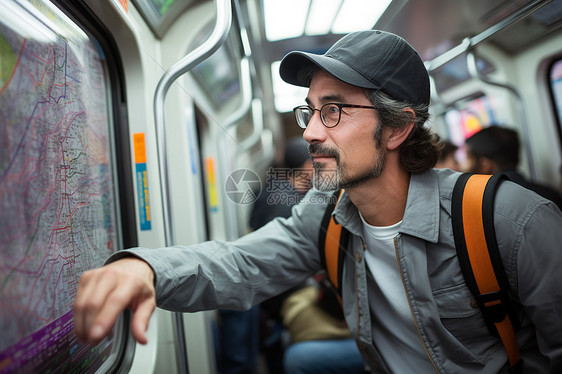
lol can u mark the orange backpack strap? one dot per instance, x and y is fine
(472, 211)
(332, 244)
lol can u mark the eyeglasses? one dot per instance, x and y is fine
(330, 113)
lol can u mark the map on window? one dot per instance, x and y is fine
(57, 197)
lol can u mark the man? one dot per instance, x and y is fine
(403, 293)
(447, 156)
(494, 150)
(285, 187)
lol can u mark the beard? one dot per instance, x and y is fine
(329, 179)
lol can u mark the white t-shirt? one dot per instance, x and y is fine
(395, 334)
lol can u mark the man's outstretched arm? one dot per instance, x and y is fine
(106, 292)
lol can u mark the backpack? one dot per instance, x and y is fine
(472, 209)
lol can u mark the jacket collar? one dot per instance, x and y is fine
(421, 218)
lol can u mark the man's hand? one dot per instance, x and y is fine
(106, 292)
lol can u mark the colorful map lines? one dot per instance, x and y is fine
(56, 190)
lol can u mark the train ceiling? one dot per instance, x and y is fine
(435, 26)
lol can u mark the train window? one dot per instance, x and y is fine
(160, 14)
(556, 89)
(58, 188)
(456, 71)
(217, 76)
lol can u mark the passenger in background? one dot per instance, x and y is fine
(495, 149)
(285, 186)
(237, 341)
(240, 334)
(320, 339)
(447, 158)
(321, 342)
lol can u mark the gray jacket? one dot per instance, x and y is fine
(239, 274)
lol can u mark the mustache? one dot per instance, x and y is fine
(323, 150)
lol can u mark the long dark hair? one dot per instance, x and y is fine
(420, 151)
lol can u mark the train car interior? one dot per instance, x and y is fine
(152, 123)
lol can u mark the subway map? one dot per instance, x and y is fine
(57, 198)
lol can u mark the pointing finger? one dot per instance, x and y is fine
(141, 317)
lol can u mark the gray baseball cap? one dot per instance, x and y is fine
(370, 59)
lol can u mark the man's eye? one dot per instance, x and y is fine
(333, 109)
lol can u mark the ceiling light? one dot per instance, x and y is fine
(286, 96)
(284, 19)
(356, 15)
(321, 16)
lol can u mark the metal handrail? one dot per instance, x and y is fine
(254, 138)
(468, 44)
(475, 73)
(257, 128)
(446, 57)
(268, 150)
(215, 40)
(232, 121)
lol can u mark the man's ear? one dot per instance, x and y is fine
(398, 135)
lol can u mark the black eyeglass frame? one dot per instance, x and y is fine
(340, 107)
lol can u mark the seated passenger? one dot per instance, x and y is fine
(320, 340)
(495, 149)
(242, 334)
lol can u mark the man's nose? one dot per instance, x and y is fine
(315, 132)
